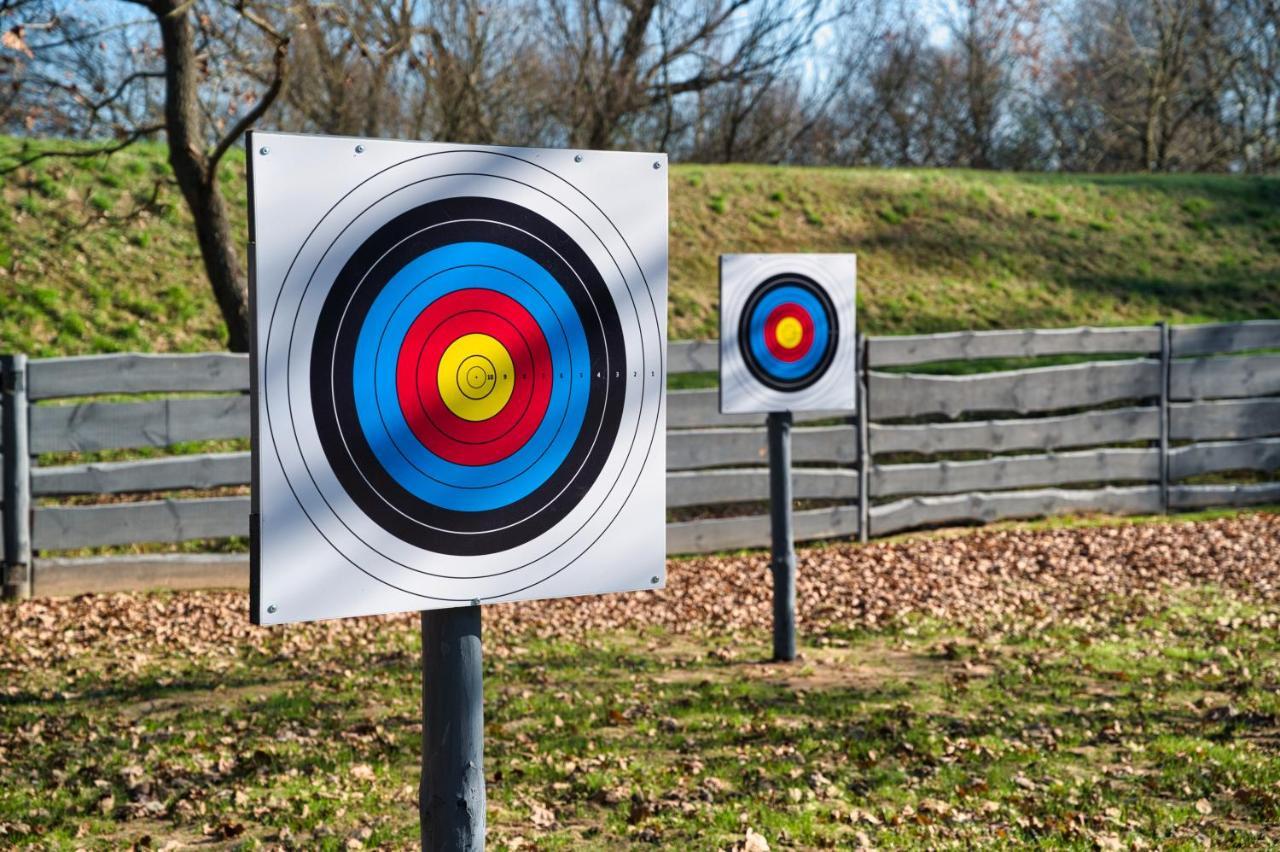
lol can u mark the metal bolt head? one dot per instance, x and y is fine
(264, 150)
(653, 580)
(475, 602)
(577, 158)
(271, 608)
(657, 165)
(359, 149)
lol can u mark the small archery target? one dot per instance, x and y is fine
(787, 332)
(460, 357)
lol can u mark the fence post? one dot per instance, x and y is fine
(1166, 373)
(15, 446)
(864, 441)
(783, 562)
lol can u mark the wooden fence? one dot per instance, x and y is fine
(1134, 425)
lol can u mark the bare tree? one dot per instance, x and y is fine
(1253, 91)
(1144, 81)
(620, 65)
(195, 163)
(191, 83)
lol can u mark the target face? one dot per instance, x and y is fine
(787, 333)
(460, 356)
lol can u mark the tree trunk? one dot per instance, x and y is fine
(196, 176)
(222, 263)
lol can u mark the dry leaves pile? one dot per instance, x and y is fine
(960, 579)
(963, 579)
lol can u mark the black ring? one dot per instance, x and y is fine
(371, 266)
(788, 279)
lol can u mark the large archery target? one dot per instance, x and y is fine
(462, 380)
(787, 333)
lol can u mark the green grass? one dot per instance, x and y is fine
(110, 239)
(1153, 721)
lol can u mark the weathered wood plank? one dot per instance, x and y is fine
(693, 356)
(1205, 496)
(697, 409)
(715, 534)
(88, 375)
(955, 477)
(700, 409)
(1024, 391)
(155, 423)
(1195, 459)
(1225, 378)
(985, 508)
(196, 471)
(1117, 425)
(66, 527)
(708, 487)
(103, 574)
(1206, 421)
(687, 450)
(904, 350)
(1221, 338)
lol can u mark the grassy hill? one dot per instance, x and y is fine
(96, 254)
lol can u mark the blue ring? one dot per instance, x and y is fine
(469, 488)
(774, 366)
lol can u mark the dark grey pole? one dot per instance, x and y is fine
(864, 441)
(783, 563)
(16, 496)
(1166, 370)
(451, 798)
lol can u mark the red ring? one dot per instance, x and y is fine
(777, 315)
(439, 429)
(440, 323)
(426, 386)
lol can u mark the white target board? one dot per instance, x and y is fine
(787, 333)
(459, 374)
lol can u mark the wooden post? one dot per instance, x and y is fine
(451, 798)
(783, 563)
(1166, 373)
(15, 446)
(864, 441)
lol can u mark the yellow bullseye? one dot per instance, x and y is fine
(475, 377)
(789, 332)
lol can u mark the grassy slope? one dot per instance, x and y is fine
(97, 254)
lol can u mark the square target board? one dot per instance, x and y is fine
(787, 334)
(458, 374)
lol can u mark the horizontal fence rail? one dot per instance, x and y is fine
(91, 375)
(1025, 343)
(1024, 391)
(1144, 419)
(1115, 426)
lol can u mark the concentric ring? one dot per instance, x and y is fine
(420, 297)
(437, 426)
(788, 332)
